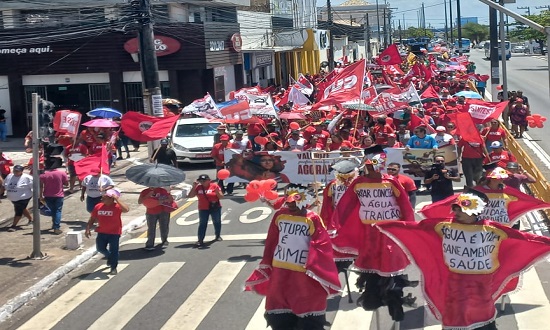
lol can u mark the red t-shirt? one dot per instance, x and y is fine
(207, 195)
(109, 218)
(158, 202)
(336, 146)
(491, 134)
(381, 133)
(407, 183)
(322, 136)
(78, 149)
(503, 158)
(471, 150)
(217, 153)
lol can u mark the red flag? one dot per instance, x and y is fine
(104, 160)
(85, 166)
(135, 124)
(465, 264)
(417, 121)
(347, 85)
(427, 72)
(482, 111)
(160, 129)
(466, 128)
(390, 56)
(387, 79)
(393, 69)
(505, 206)
(429, 93)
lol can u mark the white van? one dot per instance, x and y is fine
(192, 140)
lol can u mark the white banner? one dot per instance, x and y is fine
(416, 162)
(283, 166)
(205, 107)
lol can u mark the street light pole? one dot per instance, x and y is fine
(459, 28)
(503, 52)
(36, 235)
(446, 21)
(451, 18)
(378, 22)
(331, 37)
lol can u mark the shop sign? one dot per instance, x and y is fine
(163, 45)
(25, 50)
(321, 37)
(216, 46)
(237, 42)
(264, 59)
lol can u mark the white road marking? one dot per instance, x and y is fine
(193, 239)
(191, 313)
(258, 321)
(531, 294)
(349, 313)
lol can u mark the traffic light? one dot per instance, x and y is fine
(52, 156)
(45, 120)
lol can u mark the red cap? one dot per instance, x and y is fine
(224, 137)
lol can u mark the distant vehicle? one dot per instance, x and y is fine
(487, 48)
(465, 44)
(192, 140)
(518, 49)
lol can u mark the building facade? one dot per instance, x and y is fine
(198, 51)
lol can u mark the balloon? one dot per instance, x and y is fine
(260, 140)
(269, 184)
(223, 174)
(251, 196)
(536, 120)
(255, 186)
(294, 125)
(271, 195)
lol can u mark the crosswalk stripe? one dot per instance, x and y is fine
(193, 239)
(191, 313)
(258, 320)
(349, 313)
(530, 295)
(137, 297)
(48, 317)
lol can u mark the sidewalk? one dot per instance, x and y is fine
(19, 273)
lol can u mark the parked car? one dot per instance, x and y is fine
(518, 49)
(192, 140)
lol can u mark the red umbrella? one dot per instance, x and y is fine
(100, 123)
(292, 116)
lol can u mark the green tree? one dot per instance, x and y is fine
(413, 32)
(475, 32)
(524, 32)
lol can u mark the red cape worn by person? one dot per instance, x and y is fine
(466, 266)
(368, 201)
(504, 207)
(297, 274)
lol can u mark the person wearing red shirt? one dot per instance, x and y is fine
(159, 203)
(74, 152)
(209, 194)
(108, 215)
(392, 142)
(394, 169)
(5, 163)
(346, 136)
(500, 156)
(319, 132)
(493, 133)
(313, 144)
(336, 142)
(381, 131)
(472, 155)
(218, 154)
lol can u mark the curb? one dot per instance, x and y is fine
(7, 310)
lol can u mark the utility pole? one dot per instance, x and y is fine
(331, 37)
(384, 28)
(503, 51)
(543, 7)
(367, 37)
(451, 19)
(446, 21)
(493, 36)
(400, 35)
(378, 22)
(528, 10)
(152, 98)
(424, 20)
(459, 28)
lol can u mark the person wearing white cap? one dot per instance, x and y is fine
(108, 215)
(499, 155)
(442, 137)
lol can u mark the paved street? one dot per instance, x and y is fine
(185, 288)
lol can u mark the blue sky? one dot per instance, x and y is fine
(435, 11)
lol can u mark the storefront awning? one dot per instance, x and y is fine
(278, 49)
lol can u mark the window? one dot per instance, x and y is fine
(100, 96)
(196, 130)
(219, 87)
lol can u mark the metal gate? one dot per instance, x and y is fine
(100, 96)
(134, 96)
(42, 92)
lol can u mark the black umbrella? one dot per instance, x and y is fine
(155, 175)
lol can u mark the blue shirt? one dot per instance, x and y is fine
(427, 142)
